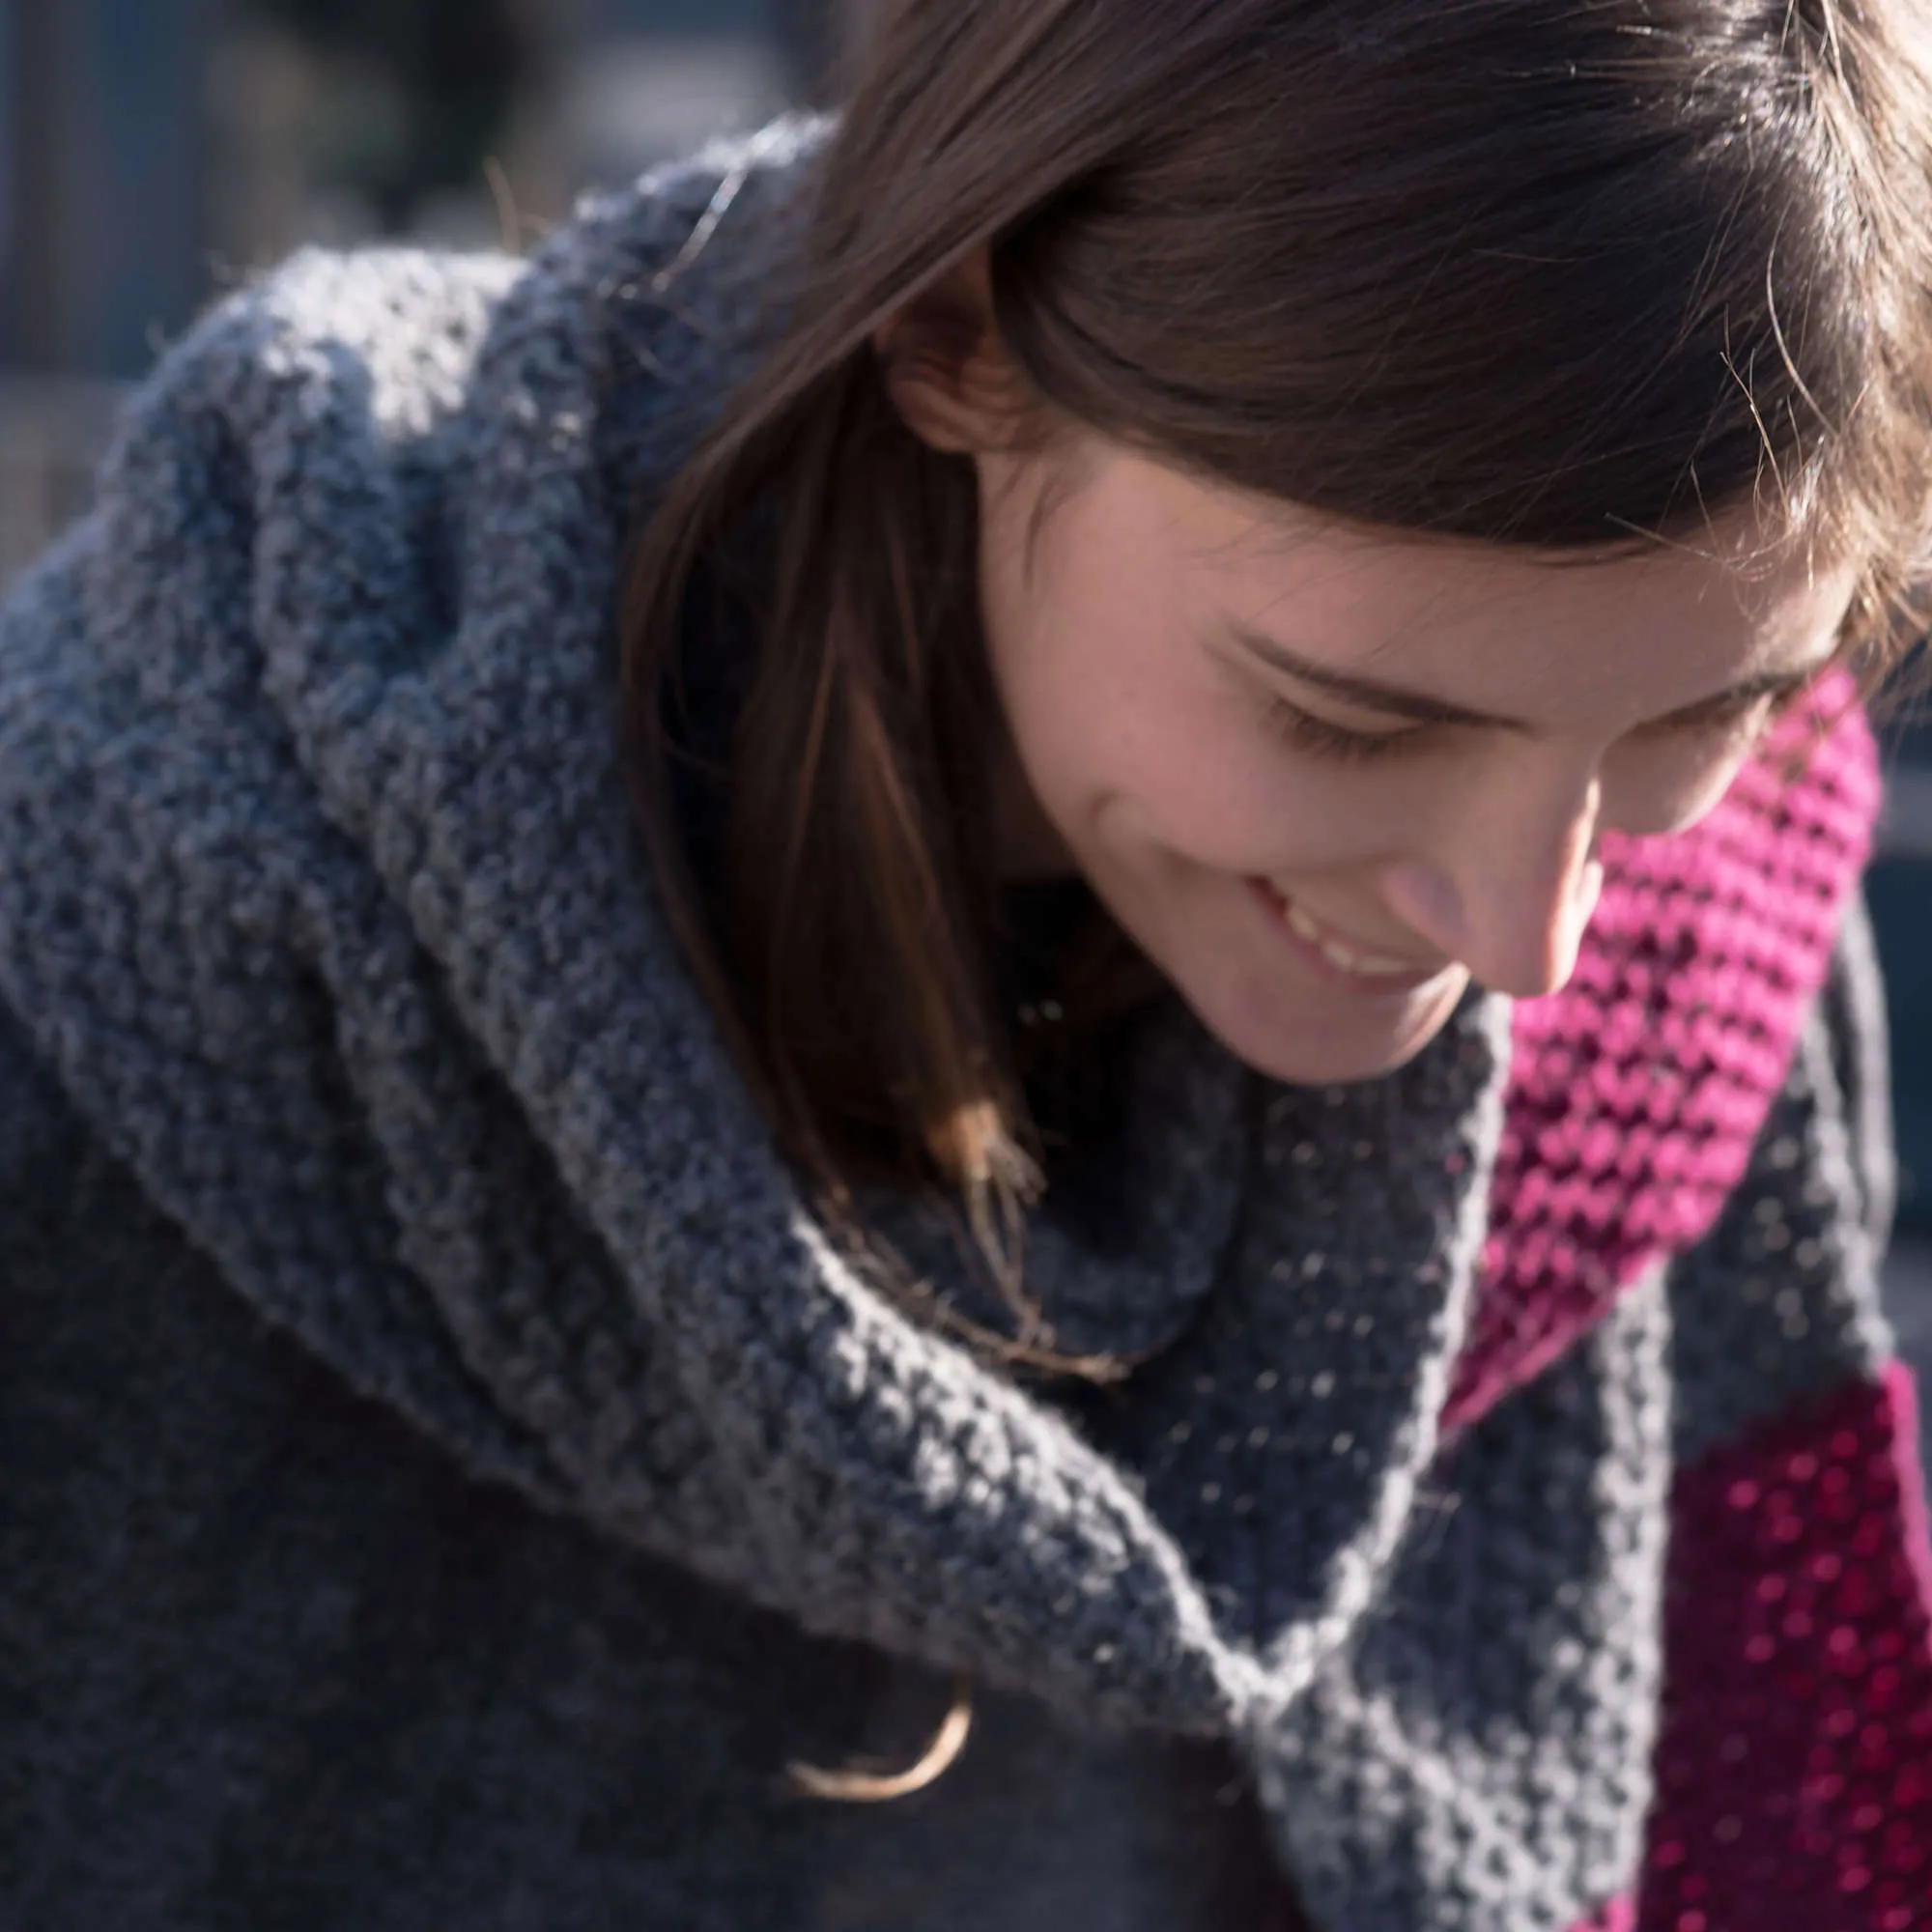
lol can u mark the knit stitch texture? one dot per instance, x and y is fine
(318, 898)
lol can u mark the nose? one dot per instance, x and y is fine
(1507, 886)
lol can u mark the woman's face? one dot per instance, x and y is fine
(1324, 777)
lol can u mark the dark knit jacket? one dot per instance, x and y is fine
(446, 1475)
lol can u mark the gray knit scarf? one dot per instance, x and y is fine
(320, 885)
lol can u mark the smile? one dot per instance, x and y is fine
(1343, 957)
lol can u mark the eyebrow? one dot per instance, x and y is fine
(1399, 701)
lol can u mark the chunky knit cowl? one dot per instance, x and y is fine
(1517, 1478)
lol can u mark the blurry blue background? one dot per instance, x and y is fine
(153, 152)
(150, 148)
(1899, 888)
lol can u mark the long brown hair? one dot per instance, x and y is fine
(1554, 273)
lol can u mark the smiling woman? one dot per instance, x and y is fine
(974, 1033)
(1594, 415)
(1296, 493)
(1405, 830)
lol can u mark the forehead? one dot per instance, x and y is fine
(1560, 635)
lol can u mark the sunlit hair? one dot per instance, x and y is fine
(1553, 273)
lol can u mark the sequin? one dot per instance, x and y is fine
(1798, 1717)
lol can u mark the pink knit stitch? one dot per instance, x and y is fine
(1638, 1090)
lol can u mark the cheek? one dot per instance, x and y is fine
(1128, 749)
(1112, 709)
(1135, 740)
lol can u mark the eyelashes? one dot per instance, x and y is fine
(1338, 745)
(1334, 742)
(1752, 715)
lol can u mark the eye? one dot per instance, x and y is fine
(1334, 742)
(1732, 715)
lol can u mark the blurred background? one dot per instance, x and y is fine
(155, 152)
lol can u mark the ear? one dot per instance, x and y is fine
(947, 370)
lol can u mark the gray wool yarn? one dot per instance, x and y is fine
(317, 885)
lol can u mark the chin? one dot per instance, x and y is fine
(1330, 1041)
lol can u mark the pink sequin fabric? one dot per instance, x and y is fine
(1795, 1773)
(1638, 1090)
(1619, 1915)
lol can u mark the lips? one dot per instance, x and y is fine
(1379, 972)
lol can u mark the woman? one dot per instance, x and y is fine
(974, 1034)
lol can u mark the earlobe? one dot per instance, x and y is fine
(944, 367)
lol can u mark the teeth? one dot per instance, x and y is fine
(1370, 965)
